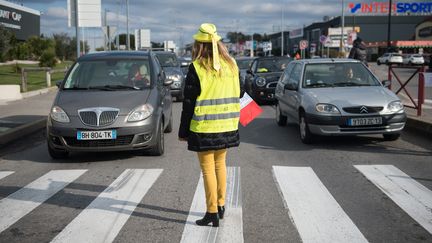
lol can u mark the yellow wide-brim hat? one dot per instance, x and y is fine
(207, 34)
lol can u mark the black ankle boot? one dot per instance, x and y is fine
(221, 211)
(209, 218)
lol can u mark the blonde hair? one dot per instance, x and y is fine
(203, 52)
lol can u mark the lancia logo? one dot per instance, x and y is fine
(363, 109)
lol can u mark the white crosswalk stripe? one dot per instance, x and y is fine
(20, 203)
(230, 228)
(414, 198)
(103, 219)
(316, 214)
(3, 174)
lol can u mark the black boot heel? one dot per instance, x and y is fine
(221, 211)
(209, 218)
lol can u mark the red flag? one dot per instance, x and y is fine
(249, 109)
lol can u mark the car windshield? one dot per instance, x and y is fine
(110, 75)
(243, 63)
(272, 65)
(319, 75)
(168, 60)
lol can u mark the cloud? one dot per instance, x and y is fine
(56, 12)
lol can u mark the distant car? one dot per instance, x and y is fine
(173, 71)
(390, 58)
(413, 59)
(111, 101)
(263, 75)
(333, 97)
(243, 64)
(184, 64)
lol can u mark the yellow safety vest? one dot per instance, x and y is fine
(217, 108)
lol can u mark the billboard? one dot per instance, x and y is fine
(89, 13)
(296, 33)
(22, 21)
(399, 8)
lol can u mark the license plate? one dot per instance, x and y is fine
(365, 121)
(96, 135)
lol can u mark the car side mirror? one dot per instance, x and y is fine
(386, 83)
(291, 86)
(58, 83)
(249, 72)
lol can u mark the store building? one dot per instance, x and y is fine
(22, 21)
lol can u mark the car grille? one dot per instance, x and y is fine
(363, 109)
(98, 116)
(119, 141)
(272, 85)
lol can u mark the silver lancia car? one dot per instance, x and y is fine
(111, 101)
(337, 97)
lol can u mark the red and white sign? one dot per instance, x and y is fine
(249, 109)
(303, 44)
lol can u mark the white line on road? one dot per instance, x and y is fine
(414, 198)
(230, 228)
(3, 174)
(316, 214)
(103, 219)
(23, 201)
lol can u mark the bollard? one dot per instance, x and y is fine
(48, 78)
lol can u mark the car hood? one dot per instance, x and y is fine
(71, 101)
(270, 77)
(172, 70)
(353, 96)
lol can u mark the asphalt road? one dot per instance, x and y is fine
(92, 194)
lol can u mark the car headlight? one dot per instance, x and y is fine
(58, 115)
(327, 108)
(140, 113)
(395, 106)
(175, 77)
(260, 81)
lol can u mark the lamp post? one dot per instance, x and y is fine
(342, 30)
(282, 30)
(389, 26)
(127, 26)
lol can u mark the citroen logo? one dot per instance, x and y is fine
(363, 109)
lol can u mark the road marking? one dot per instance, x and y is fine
(23, 201)
(414, 198)
(314, 211)
(230, 228)
(103, 219)
(3, 174)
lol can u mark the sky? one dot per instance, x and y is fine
(178, 20)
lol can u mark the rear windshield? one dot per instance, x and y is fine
(396, 55)
(272, 65)
(110, 75)
(321, 75)
(168, 60)
(417, 55)
(244, 63)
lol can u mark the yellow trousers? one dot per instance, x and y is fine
(214, 173)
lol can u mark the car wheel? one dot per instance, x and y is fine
(159, 147)
(57, 154)
(280, 119)
(169, 127)
(305, 135)
(378, 62)
(391, 137)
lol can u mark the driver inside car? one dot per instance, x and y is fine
(138, 76)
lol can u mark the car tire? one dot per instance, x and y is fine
(280, 119)
(378, 63)
(391, 137)
(57, 154)
(159, 147)
(169, 127)
(305, 135)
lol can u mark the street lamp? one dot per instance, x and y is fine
(127, 26)
(388, 26)
(282, 30)
(342, 51)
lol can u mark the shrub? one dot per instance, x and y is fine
(48, 58)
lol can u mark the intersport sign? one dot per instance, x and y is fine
(383, 7)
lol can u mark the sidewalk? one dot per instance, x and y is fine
(22, 117)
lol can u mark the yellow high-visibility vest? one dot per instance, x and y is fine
(217, 108)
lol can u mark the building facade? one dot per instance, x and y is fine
(22, 21)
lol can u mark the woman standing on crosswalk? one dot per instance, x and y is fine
(210, 116)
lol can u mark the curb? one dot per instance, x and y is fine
(421, 127)
(21, 131)
(38, 92)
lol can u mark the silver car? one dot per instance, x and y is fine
(337, 97)
(111, 101)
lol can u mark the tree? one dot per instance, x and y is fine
(5, 39)
(48, 58)
(122, 40)
(38, 45)
(62, 41)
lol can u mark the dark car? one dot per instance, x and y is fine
(111, 101)
(243, 64)
(185, 61)
(262, 77)
(173, 71)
